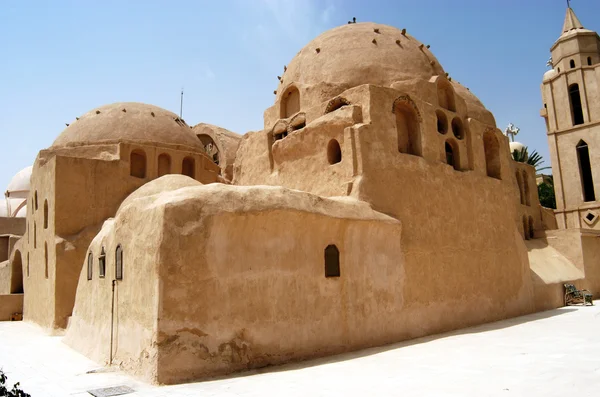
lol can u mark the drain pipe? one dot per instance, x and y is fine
(112, 318)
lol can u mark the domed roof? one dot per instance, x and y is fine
(516, 146)
(475, 108)
(19, 184)
(128, 121)
(13, 208)
(361, 53)
(549, 74)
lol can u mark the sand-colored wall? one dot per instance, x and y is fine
(14, 226)
(9, 305)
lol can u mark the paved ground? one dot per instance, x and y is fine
(555, 353)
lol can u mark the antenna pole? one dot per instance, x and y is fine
(181, 104)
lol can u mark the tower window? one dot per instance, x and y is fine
(119, 263)
(90, 266)
(576, 110)
(332, 261)
(572, 64)
(585, 172)
(589, 61)
(102, 263)
(45, 214)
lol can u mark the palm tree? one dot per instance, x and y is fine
(534, 159)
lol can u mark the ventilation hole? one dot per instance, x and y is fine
(97, 112)
(590, 216)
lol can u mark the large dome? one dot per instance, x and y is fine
(128, 121)
(361, 53)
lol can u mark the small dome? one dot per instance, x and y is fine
(518, 146)
(13, 208)
(18, 187)
(549, 74)
(128, 121)
(162, 184)
(475, 108)
(360, 53)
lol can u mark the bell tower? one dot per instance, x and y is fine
(571, 97)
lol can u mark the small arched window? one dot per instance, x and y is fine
(442, 122)
(188, 167)
(36, 200)
(525, 228)
(102, 263)
(28, 264)
(332, 261)
(408, 127)
(164, 164)
(45, 214)
(589, 61)
(137, 164)
(34, 235)
(585, 172)
(335, 104)
(290, 103)
(572, 63)
(446, 95)
(457, 128)
(492, 155)
(334, 152)
(46, 259)
(90, 266)
(531, 227)
(119, 263)
(576, 109)
(451, 155)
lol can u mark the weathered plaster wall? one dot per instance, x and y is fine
(9, 305)
(14, 226)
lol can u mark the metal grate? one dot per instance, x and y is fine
(111, 391)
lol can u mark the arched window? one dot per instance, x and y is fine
(102, 263)
(442, 122)
(46, 259)
(407, 127)
(36, 200)
(28, 264)
(520, 185)
(576, 109)
(119, 263)
(492, 155)
(137, 164)
(457, 128)
(188, 167)
(446, 95)
(45, 214)
(572, 64)
(210, 147)
(452, 155)
(525, 228)
(16, 276)
(332, 261)
(90, 266)
(589, 61)
(526, 194)
(531, 228)
(334, 152)
(164, 164)
(290, 103)
(335, 104)
(585, 172)
(34, 235)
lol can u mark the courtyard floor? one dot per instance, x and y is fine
(553, 353)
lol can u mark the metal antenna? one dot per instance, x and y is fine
(181, 105)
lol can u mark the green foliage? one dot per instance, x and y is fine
(14, 392)
(534, 159)
(546, 194)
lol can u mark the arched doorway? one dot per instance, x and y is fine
(16, 274)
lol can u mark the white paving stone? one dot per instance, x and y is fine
(554, 353)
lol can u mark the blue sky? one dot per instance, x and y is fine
(62, 58)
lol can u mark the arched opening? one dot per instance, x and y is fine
(102, 264)
(492, 155)
(34, 235)
(520, 186)
(407, 128)
(446, 95)
(16, 274)
(572, 64)
(90, 266)
(210, 147)
(28, 264)
(442, 122)
(188, 167)
(457, 128)
(45, 214)
(525, 228)
(589, 61)
(46, 259)
(334, 152)
(119, 263)
(531, 228)
(137, 163)
(164, 164)
(526, 197)
(290, 103)
(332, 261)
(452, 155)
(36, 200)
(585, 172)
(576, 109)
(335, 104)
